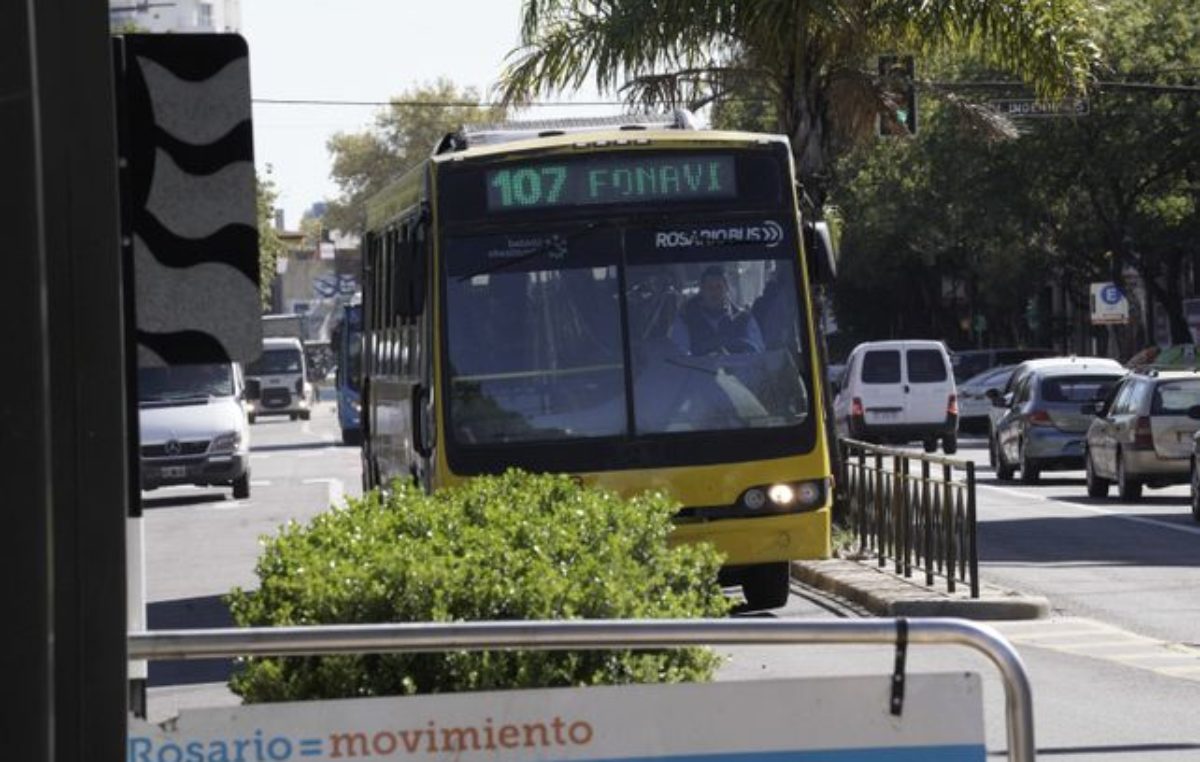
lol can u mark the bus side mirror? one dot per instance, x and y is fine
(820, 252)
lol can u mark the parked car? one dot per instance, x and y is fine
(1044, 422)
(972, 362)
(1142, 434)
(973, 401)
(899, 391)
(280, 380)
(193, 427)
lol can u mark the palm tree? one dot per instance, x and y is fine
(813, 59)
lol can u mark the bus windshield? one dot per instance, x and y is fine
(619, 332)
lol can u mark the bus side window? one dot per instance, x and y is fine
(409, 275)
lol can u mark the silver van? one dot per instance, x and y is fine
(192, 422)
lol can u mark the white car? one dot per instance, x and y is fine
(193, 425)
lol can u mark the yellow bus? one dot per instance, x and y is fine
(624, 301)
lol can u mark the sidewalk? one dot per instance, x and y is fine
(885, 593)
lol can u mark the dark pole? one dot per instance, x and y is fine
(24, 403)
(62, 404)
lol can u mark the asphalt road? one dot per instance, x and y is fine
(1113, 675)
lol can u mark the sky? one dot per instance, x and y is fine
(364, 50)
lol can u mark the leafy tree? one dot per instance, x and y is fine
(1128, 174)
(404, 134)
(270, 245)
(810, 56)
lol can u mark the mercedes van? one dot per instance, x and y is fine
(899, 392)
(193, 425)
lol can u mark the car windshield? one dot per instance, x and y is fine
(275, 362)
(1175, 397)
(606, 334)
(184, 382)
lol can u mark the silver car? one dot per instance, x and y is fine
(1044, 426)
(973, 401)
(1142, 434)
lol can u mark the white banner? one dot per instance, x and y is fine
(827, 719)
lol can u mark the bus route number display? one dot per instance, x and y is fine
(625, 180)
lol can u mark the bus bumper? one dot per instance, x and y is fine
(756, 540)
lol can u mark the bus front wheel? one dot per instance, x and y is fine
(766, 586)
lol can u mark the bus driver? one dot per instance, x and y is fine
(710, 323)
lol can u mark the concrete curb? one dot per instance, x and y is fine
(884, 593)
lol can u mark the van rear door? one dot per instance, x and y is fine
(928, 383)
(882, 387)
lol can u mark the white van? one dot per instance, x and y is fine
(193, 427)
(898, 392)
(280, 376)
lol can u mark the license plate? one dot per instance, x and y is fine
(174, 472)
(885, 416)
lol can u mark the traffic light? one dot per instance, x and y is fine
(898, 84)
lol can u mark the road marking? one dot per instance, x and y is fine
(228, 505)
(1094, 510)
(336, 487)
(260, 483)
(1099, 640)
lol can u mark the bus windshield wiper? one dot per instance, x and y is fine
(550, 244)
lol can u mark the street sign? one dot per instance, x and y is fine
(1035, 108)
(844, 718)
(189, 217)
(1110, 306)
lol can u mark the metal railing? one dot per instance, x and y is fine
(609, 634)
(916, 517)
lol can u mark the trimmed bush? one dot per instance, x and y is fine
(510, 547)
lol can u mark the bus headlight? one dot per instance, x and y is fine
(754, 498)
(781, 494)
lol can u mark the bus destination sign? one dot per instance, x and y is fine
(611, 180)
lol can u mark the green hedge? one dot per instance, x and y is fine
(510, 547)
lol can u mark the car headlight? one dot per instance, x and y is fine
(357, 406)
(228, 442)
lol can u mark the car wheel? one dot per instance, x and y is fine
(993, 460)
(950, 444)
(1195, 492)
(352, 437)
(930, 444)
(306, 415)
(1128, 488)
(1096, 487)
(1029, 472)
(241, 487)
(250, 417)
(291, 416)
(766, 586)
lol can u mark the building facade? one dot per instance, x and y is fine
(180, 16)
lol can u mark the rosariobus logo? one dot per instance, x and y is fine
(768, 233)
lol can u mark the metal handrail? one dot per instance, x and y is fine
(617, 633)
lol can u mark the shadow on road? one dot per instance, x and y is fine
(189, 614)
(320, 444)
(1109, 540)
(178, 501)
